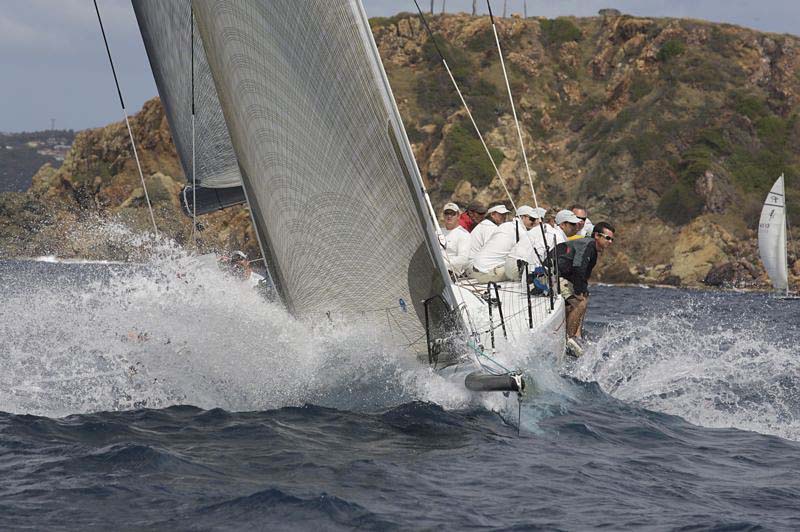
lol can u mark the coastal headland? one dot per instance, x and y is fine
(673, 129)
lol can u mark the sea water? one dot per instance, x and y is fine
(167, 395)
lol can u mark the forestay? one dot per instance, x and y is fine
(327, 167)
(772, 236)
(167, 33)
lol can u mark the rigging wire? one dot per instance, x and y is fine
(511, 100)
(127, 123)
(194, 173)
(519, 132)
(477, 129)
(464, 103)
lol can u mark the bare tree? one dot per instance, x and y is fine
(432, 1)
(444, 3)
(474, 7)
(505, 4)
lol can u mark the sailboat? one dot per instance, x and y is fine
(772, 242)
(297, 120)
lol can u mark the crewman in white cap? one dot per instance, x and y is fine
(481, 233)
(531, 246)
(489, 255)
(566, 225)
(457, 240)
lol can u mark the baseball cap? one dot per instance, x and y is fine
(451, 207)
(477, 207)
(567, 216)
(501, 209)
(527, 210)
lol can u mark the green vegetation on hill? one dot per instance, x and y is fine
(465, 158)
(558, 31)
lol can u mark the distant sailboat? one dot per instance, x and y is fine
(772, 239)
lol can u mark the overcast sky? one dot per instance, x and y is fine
(54, 64)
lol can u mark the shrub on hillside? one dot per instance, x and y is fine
(670, 49)
(465, 158)
(679, 205)
(558, 31)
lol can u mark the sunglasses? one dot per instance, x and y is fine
(581, 218)
(449, 213)
(609, 238)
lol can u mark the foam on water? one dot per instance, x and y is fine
(178, 331)
(715, 365)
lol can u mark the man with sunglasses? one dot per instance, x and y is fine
(457, 241)
(566, 225)
(585, 225)
(576, 260)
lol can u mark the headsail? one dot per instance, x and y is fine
(327, 167)
(772, 236)
(166, 31)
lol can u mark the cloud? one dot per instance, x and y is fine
(19, 35)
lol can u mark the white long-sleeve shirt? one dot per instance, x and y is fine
(587, 228)
(480, 235)
(524, 249)
(560, 235)
(496, 249)
(456, 252)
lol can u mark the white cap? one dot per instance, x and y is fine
(567, 216)
(451, 207)
(527, 210)
(498, 208)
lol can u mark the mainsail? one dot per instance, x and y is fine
(166, 30)
(772, 236)
(327, 167)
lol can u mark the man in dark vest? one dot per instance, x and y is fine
(576, 260)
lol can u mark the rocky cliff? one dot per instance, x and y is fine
(672, 129)
(65, 210)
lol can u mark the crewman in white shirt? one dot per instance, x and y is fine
(457, 241)
(586, 226)
(531, 245)
(489, 257)
(481, 233)
(566, 225)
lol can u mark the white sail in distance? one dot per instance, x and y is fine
(326, 164)
(772, 236)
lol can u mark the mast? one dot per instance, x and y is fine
(786, 234)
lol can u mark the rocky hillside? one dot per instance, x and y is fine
(65, 210)
(672, 129)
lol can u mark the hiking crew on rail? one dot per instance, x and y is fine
(481, 244)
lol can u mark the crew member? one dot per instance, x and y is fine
(239, 266)
(576, 260)
(457, 240)
(566, 225)
(472, 216)
(585, 226)
(488, 262)
(531, 246)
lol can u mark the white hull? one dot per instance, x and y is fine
(521, 347)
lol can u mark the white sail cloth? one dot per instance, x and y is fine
(772, 236)
(320, 142)
(166, 30)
